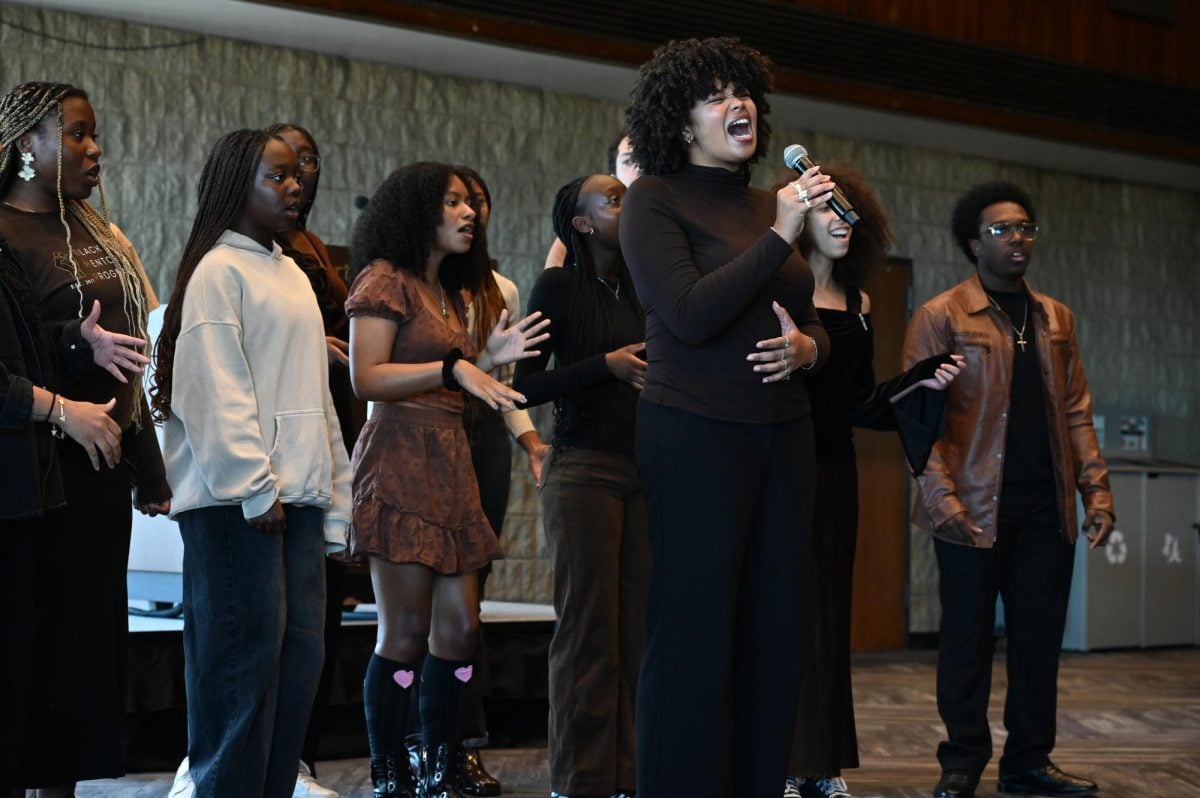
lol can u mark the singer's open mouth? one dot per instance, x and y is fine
(740, 129)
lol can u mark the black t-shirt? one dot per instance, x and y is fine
(39, 244)
(1027, 495)
(602, 408)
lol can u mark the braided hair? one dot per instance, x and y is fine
(221, 196)
(487, 302)
(400, 225)
(590, 330)
(21, 111)
(680, 74)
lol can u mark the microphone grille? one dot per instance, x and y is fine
(792, 155)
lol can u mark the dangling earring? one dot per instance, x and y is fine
(688, 138)
(27, 172)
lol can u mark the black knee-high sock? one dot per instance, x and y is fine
(443, 682)
(385, 700)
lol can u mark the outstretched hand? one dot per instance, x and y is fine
(478, 382)
(945, 374)
(510, 344)
(112, 351)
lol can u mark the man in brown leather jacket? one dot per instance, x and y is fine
(999, 495)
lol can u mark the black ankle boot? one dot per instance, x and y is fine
(437, 762)
(471, 777)
(392, 778)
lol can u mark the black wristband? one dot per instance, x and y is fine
(448, 380)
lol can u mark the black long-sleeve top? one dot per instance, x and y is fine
(603, 409)
(844, 393)
(707, 267)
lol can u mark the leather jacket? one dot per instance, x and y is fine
(966, 468)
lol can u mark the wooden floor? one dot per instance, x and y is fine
(1130, 720)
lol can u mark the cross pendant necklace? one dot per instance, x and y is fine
(1024, 321)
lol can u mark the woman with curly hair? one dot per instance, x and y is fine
(74, 257)
(593, 504)
(417, 512)
(724, 440)
(844, 394)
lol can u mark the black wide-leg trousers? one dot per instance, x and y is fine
(730, 507)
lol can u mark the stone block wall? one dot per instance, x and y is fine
(1122, 255)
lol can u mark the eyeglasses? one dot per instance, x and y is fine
(1005, 230)
(310, 163)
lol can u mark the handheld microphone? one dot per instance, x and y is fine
(796, 157)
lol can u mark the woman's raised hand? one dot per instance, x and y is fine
(91, 426)
(509, 344)
(112, 351)
(478, 382)
(795, 199)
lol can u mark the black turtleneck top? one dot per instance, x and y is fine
(707, 267)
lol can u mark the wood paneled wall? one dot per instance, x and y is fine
(1087, 33)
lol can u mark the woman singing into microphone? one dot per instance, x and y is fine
(724, 441)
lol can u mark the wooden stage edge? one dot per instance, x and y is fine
(1129, 719)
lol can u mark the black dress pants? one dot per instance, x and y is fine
(730, 508)
(1030, 566)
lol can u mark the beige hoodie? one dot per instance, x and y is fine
(251, 419)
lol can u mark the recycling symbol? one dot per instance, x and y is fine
(1117, 549)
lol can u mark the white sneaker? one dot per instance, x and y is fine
(830, 787)
(183, 786)
(308, 787)
(791, 788)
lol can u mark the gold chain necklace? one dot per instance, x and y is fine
(616, 292)
(1024, 320)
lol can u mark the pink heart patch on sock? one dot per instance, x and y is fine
(464, 674)
(403, 678)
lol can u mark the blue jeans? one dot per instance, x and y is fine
(254, 606)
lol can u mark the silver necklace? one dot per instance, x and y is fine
(616, 292)
(442, 301)
(1024, 320)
